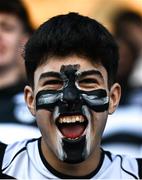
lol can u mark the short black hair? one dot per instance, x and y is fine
(17, 8)
(71, 34)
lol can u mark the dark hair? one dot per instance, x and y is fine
(123, 18)
(69, 34)
(17, 8)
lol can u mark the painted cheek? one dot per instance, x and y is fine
(44, 120)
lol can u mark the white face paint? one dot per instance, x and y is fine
(87, 113)
(59, 144)
(60, 152)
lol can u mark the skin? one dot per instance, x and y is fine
(12, 39)
(45, 118)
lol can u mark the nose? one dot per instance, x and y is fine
(70, 94)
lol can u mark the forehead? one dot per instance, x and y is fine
(9, 18)
(54, 64)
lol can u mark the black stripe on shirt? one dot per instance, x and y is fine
(139, 161)
(125, 169)
(108, 155)
(21, 150)
(123, 137)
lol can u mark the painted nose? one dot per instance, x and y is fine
(71, 95)
(71, 100)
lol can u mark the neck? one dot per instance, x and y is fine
(8, 76)
(80, 169)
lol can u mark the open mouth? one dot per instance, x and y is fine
(72, 126)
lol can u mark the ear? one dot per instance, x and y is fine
(115, 94)
(29, 98)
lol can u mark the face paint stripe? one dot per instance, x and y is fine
(47, 99)
(96, 100)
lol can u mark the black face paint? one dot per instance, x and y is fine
(97, 100)
(70, 100)
(74, 149)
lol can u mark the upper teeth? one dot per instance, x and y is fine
(71, 119)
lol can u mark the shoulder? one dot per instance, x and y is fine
(17, 151)
(127, 165)
(19, 146)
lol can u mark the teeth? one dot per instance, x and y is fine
(71, 119)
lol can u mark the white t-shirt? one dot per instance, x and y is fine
(24, 160)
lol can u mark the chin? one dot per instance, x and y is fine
(73, 136)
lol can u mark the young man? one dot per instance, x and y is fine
(71, 63)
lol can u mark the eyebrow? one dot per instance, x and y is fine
(49, 74)
(90, 72)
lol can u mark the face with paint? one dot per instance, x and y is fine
(71, 101)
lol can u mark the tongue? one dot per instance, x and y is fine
(72, 130)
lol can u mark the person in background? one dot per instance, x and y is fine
(128, 32)
(15, 29)
(124, 130)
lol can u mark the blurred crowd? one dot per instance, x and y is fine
(128, 33)
(124, 130)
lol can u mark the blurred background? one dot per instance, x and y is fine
(123, 18)
(102, 10)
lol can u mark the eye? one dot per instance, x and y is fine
(54, 81)
(53, 84)
(8, 27)
(88, 83)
